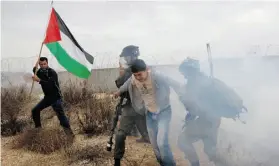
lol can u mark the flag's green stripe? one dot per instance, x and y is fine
(70, 64)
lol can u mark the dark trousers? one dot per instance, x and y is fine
(127, 122)
(56, 104)
(199, 130)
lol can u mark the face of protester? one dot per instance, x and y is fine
(43, 64)
(141, 76)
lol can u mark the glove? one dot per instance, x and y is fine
(190, 117)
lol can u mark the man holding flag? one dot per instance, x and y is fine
(48, 79)
(69, 54)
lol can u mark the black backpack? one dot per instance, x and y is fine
(216, 99)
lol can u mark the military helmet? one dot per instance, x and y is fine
(128, 55)
(130, 50)
(189, 64)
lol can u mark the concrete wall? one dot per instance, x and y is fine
(103, 79)
(100, 79)
(259, 69)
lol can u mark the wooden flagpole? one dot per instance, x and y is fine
(210, 59)
(37, 63)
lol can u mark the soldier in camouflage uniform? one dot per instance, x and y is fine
(130, 119)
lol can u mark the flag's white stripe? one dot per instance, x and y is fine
(74, 51)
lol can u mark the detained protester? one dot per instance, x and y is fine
(151, 90)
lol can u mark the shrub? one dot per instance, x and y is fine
(95, 115)
(13, 100)
(43, 140)
(75, 92)
(91, 111)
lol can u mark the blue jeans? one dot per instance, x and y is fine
(158, 130)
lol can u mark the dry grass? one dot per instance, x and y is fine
(87, 109)
(75, 93)
(22, 157)
(88, 152)
(43, 141)
(91, 112)
(93, 152)
(13, 101)
(83, 152)
(142, 156)
(95, 115)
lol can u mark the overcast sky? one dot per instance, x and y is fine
(166, 32)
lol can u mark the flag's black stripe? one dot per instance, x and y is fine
(63, 27)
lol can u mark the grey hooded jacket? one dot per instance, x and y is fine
(161, 85)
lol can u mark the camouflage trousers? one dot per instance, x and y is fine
(127, 123)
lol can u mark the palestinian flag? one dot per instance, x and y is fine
(62, 44)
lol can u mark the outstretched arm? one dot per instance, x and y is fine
(123, 88)
(177, 87)
(181, 90)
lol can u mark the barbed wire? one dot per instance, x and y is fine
(110, 60)
(25, 64)
(102, 79)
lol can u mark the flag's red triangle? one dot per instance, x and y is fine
(53, 31)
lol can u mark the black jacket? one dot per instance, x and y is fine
(49, 82)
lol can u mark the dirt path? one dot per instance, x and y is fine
(83, 151)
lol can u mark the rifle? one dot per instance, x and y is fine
(117, 113)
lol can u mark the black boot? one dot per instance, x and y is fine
(69, 132)
(116, 162)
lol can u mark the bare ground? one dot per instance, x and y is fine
(91, 151)
(85, 151)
